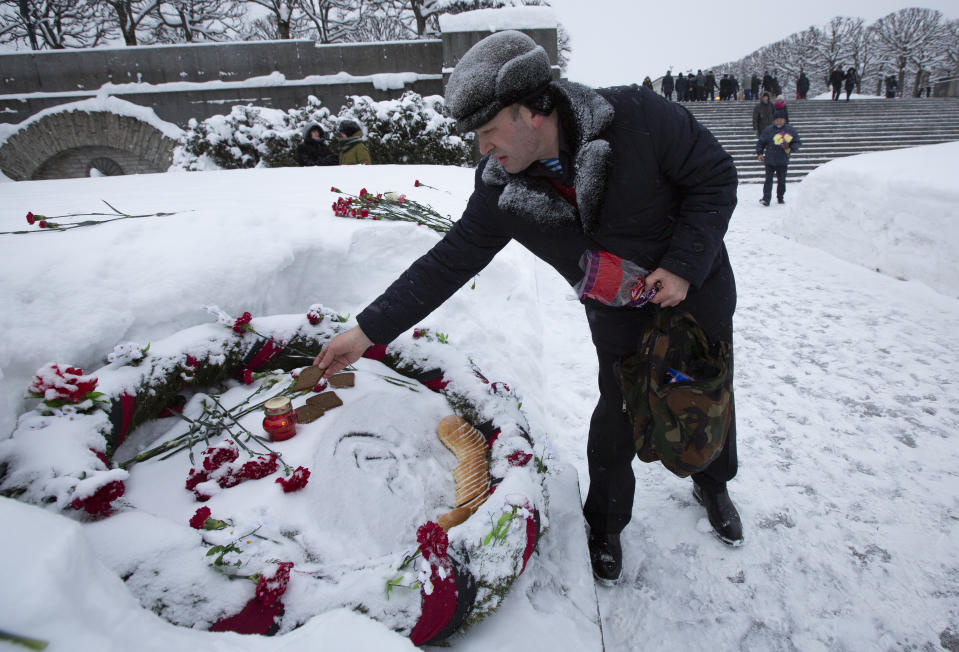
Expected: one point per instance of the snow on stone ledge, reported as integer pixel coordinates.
(494, 20)
(94, 104)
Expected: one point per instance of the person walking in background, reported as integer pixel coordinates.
(802, 85)
(668, 85)
(924, 84)
(851, 79)
(710, 85)
(753, 87)
(681, 88)
(734, 85)
(776, 143)
(352, 149)
(700, 86)
(568, 169)
(762, 114)
(314, 150)
(891, 86)
(648, 83)
(835, 80)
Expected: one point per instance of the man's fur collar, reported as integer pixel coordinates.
(583, 114)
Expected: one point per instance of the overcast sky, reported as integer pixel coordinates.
(622, 41)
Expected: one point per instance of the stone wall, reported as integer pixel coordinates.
(176, 80)
(183, 82)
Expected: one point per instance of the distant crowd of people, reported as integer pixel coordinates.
(314, 149)
(704, 87)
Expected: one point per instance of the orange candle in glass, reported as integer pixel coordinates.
(280, 419)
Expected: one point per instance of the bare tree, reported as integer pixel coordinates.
(832, 44)
(197, 20)
(55, 24)
(903, 33)
(131, 17)
(328, 18)
(279, 21)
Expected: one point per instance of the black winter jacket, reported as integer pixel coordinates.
(775, 152)
(652, 186)
(314, 152)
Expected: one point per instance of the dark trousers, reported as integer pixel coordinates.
(610, 452)
(836, 90)
(780, 172)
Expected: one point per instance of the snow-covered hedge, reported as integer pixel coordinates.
(412, 129)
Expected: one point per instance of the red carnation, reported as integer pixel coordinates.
(199, 519)
(99, 502)
(362, 192)
(334, 189)
(30, 218)
(270, 589)
(433, 540)
(240, 326)
(519, 458)
(228, 480)
(314, 317)
(259, 467)
(194, 478)
(247, 377)
(416, 183)
(296, 481)
(42, 224)
(216, 456)
(420, 332)
(320, 386)
(364, 213)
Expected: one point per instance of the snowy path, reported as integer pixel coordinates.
(847, 413)
(846, 399)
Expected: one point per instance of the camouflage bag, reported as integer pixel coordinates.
(677, 388)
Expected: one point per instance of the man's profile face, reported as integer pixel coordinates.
(779, 122)
(511, 139)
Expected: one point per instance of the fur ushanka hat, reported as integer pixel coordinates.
(502, 69)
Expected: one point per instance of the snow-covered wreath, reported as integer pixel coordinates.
(288, 529)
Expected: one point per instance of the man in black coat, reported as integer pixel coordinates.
(668, 85)
(850, 83)
(802, 85)
(711, 85)
(835, 80)
(753, 87)
(776, 144)
(568, 169)
(681, 88)
(313, 150)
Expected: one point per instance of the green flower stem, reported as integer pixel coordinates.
(250, 435)
(114, 216)
(29, 643)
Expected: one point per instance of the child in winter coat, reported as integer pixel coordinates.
(352, 149)
(775, 145)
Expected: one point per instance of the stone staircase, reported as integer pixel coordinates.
(832, 129)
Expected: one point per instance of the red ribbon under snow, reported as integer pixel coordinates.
(266, 353)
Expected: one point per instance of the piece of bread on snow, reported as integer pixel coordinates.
(472, 470)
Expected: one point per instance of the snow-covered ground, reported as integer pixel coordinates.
(846, 401)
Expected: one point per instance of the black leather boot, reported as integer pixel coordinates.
(722, 514)
(606, 557)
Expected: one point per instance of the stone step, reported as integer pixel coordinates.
(831, 130)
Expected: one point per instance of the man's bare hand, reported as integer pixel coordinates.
(673, 290)
(342, 351)
(762, 158)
